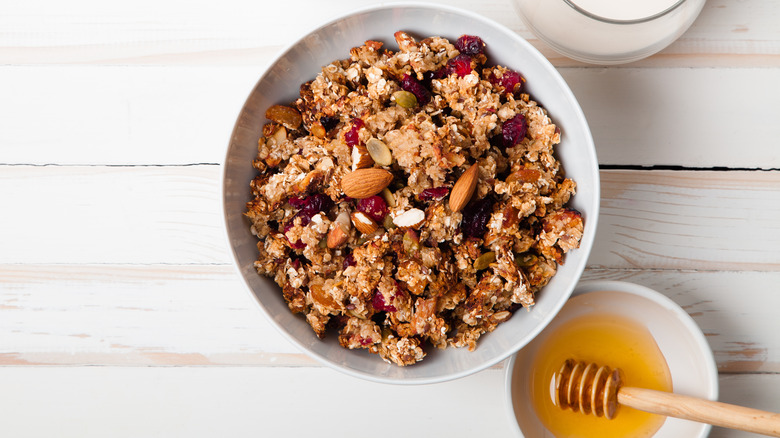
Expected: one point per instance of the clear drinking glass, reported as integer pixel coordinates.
(608, 31)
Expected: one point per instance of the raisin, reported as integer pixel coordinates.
(329, 122)
(476, 216)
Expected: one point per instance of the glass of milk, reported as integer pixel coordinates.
(608, 31)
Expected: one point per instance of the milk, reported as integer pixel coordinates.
(624, 10)
(608, 31)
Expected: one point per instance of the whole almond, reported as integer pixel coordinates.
(365, 183)
(361, 158)
(363, 223)
(464, 188)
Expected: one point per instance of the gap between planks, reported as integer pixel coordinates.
(204, 316)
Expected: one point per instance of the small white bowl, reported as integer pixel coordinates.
(682, 343)
(301, 62)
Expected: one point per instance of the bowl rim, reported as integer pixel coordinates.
(586, 245)
(709, 365)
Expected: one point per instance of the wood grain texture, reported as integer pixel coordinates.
(239, 402)
(233, 32)
(184, 115)
(203, 315)
(120, 312)
(705, 220)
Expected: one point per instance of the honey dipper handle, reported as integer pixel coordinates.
(703, 411)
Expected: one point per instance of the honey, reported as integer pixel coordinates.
(605, 339)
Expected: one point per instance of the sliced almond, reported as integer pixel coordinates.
(361, 158)
(363, 223)
(339, 232)
(411, 218)
(379, 152)
(337, 237)
(310, 181)
(279, 136)
(364, 183)
(464, 188)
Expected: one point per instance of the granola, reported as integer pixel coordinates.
(456, 215)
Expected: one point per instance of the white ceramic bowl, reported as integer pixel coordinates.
(301, 62)
(682, 343)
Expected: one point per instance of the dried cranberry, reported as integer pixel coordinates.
(349, 260)
(375, 207)
(308, 207)
(470, 45)
(411, 85)
(351, 137)
(513, 131)
(460, 65)
(298, 202)
(317, 203)
(379, 303)
(434, 193)
(476, 216)
(511, 81)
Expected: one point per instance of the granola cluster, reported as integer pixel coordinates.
(411, 196)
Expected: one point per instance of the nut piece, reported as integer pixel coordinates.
(364, 183)
(464, 188)
(285, 115)
(410, 218)
(318, 130)
(524, 176)
(361, 158)
(339, 234)
(405, 99)
(363, 223)
(379, 152)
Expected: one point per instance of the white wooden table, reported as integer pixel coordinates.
(120, 313)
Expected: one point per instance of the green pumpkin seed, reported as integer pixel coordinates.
(483, 261)
(405, 99)
(379, 152)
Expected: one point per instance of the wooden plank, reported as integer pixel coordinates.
(172, 215)
(135, 315)
(241, 402)
(688, 220)
(151, 33)
(73, 214)
(734, 309)
(120, 115)
(185, 115)
(89, 402)
(681, 116)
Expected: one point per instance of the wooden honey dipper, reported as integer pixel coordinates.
(591, 389)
